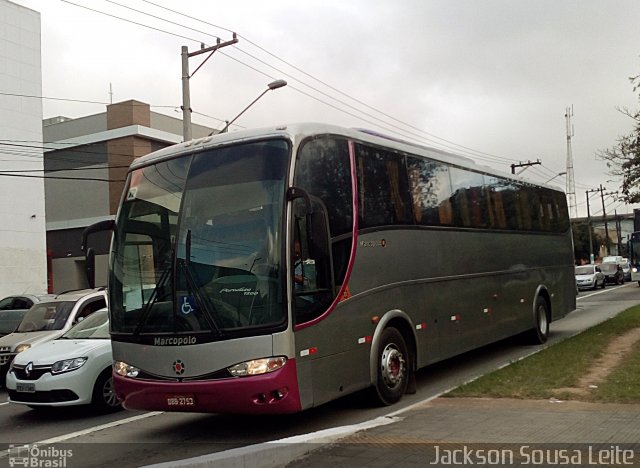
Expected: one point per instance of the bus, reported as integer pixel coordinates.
(634, 256)
(271, 271)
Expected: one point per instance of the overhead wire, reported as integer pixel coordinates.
(457, 147)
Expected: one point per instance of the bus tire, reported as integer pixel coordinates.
(540, 332)
(392, 362)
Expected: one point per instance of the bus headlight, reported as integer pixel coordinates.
(67, 365)
(634, 269)
(22, 347)
(125, 370)
(257, 366)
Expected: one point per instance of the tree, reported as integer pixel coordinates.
(581, 241)
(623, 159)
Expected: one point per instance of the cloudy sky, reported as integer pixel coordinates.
(489, 79)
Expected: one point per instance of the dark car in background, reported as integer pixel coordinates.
(612, 272)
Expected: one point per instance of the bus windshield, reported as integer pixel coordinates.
(197, 246)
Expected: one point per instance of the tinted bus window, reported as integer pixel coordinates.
(383, 197)
(323, 170)
(430, 186)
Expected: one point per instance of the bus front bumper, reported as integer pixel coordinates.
(272, 393)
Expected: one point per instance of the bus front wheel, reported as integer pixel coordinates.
(540, 332)
(392, 367)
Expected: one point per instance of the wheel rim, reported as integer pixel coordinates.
(543, 323)
(109, 394)
(392, 366)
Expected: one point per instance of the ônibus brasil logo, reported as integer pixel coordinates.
(178, 367)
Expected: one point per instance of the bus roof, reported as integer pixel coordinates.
(298, 131)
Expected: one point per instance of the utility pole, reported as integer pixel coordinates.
(525, 165)
(604, 218)
(186, 93)
(571, 186)
(591, 256)
(618, 227)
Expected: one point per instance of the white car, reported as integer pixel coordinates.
(590, 277)
(75, 369)
(48, 320)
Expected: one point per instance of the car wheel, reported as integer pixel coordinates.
(104, 394)
(392, 363)
(540, 332)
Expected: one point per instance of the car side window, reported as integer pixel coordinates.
(89, 308)
(22, 303)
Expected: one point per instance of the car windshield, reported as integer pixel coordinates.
(585, 270)
(197, 246)
(46, 316)
(95, 326)
(608, 267)
(9, 320)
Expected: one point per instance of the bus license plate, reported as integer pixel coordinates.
(181, 401)
(26, 387)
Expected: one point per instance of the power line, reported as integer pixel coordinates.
(475, 153)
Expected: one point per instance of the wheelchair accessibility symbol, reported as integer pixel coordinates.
(187, 304)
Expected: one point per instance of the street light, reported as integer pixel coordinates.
(271, 86)
(557, 175)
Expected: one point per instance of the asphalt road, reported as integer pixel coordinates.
(134, 438)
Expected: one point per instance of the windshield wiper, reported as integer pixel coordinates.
(146, 311)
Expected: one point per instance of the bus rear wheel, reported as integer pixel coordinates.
(540, 332)
(392, 363)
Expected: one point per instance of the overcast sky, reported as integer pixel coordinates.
(489, 79)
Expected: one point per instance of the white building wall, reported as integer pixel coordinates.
(23, 260)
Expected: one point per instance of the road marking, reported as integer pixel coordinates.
(90, 430)
(602, 291)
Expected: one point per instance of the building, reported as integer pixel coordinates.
(23, 259)
(86, 161)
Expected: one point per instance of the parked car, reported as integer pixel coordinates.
(626, 269)
(612, 272)
(590, 277)
(24, 301)
(48, 320)
(13, 308)
(74, 369)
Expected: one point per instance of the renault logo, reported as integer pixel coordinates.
(28, 369)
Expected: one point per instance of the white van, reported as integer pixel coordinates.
(613, 259)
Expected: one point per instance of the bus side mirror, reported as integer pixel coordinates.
(90, 254)
(293, 193)
(90, 267)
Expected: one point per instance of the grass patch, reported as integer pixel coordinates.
(562, 364)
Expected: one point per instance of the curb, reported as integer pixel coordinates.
(276, 453)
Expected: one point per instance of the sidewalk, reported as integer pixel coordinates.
(503, 432)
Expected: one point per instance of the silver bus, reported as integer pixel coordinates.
(274, 270)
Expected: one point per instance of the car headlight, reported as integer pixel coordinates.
(634, 269)
(67, 365)
(257, 366)
(125, 370)
(22, 347)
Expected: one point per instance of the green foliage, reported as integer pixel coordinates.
(623, 159)
(581, 241)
